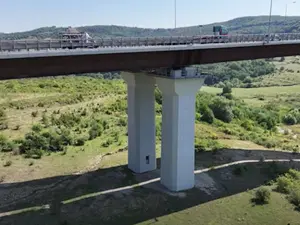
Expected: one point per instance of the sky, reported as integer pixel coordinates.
(22, 15)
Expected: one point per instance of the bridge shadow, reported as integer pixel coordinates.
(113, 196)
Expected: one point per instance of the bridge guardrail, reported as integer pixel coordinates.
(18, 45)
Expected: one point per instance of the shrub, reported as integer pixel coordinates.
(80, 141)
(41, 104)
(67, 119)
(247, 124)
(34, 114)
(294, 174)
(3, 123)
(289, 119)
(262, 195)
(7, 163)
(207, 114)
(2, 114)
(37, 128)
(34, 153)
(6, 145)
(107, 143)
(34, 141)
(95, 131)
(228, 96)
(158, 96)
(45, 120)
(122, 122)
(284, 184)
(294, 195)
(17, 127)
(227, 89)
(222, 110)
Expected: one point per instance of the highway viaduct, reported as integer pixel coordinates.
(179, 86)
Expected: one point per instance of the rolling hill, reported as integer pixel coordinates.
(245, 25)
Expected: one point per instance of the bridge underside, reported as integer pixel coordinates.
(65, 65)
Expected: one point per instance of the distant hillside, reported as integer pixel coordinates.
(245, 25)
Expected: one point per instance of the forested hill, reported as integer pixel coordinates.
(245, 25)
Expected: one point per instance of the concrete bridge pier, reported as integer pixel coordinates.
(178, 131)
(141, 122)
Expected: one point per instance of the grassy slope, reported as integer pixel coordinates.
(233, 210)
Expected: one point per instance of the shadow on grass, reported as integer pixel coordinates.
(117, 196)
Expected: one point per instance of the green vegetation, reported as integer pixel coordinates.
(290, 184)
(262, 195)
(53, 127)
(237, 74)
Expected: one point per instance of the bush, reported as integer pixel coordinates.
(294, 195)
(107, 143)
(7, 163)
(37, 128)
(228, 96)
(284, 184)
(3, 123)
(34, 141)
(247, 124)
(122, 122)
(207, 114)
(227, 89)
(2, 114)
(45, 120)
(6, 145)
(158, 96)
(34, 114)
(222, 110)
(289, 119)
(294, 174)
(67, 119)
(80, 141)
(34, 153)
(95, 131)
(262, 195)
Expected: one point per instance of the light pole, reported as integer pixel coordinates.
(286, 9)
(200, 27)
(271, 6)
(175, 13)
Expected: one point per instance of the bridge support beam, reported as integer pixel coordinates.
(178, 130)
(141, 122)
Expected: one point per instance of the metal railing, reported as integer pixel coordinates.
(18, 45)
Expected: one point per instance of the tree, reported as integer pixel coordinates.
(227, 89)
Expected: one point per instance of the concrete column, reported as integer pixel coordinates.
(178, 130)
(141, 122)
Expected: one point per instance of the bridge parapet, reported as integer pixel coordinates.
(27, 45)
